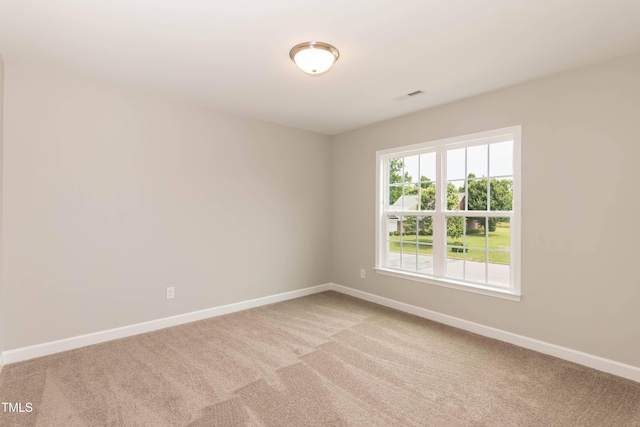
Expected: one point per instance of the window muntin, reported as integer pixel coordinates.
(449, 212)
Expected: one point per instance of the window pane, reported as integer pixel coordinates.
(396, 171)
(455, 230)
(475, 266)
(409, 244)
(393, 252)
(427, 196)
(476, 255)
(477, 195)
(425, 229)
(393, 225)
(410, 199)
(394, 197)
(477, 163)
(502, 258)
(411, 173)
(399, 201)
(499, 268)
(501, 194)
(454, 269)
(425, 250)
(393, 241)
(425, 259)
(409, 229)
(409, 259)
(455, 164)
(501, 159)
(476, 235)
(428, 167)
(455, 196)
(499, 233)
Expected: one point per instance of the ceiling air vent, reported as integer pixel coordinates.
(408, 96)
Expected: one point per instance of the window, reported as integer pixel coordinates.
(448, 212)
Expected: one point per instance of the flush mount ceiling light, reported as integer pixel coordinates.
(314, 58)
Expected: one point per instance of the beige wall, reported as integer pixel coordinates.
(110, 197)
(580, 153)
(1, 176)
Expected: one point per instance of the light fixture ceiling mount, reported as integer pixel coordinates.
(314, 58)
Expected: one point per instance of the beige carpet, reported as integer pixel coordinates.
(324, 360)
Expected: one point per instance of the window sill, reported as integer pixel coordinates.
(452, 284)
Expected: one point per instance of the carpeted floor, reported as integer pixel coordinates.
(323, 360)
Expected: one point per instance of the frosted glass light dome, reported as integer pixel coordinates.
(314, 58)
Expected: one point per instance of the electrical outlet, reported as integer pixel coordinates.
(362, 273)
(171, 292)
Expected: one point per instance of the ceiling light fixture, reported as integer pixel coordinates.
(314, 58)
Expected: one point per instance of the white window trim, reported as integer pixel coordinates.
(514, 133)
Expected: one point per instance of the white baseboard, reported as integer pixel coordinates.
(45, 349)
(575, 356)
(589, 360)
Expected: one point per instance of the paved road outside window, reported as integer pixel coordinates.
(456, 268)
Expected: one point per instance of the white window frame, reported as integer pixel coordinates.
(513, 292)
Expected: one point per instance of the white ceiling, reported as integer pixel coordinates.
(234, 55)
